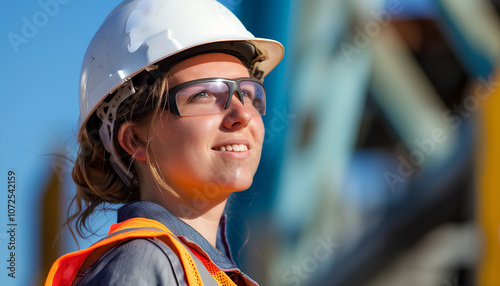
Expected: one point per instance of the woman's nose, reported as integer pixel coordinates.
(237, 115)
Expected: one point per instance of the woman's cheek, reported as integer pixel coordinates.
(261, 132)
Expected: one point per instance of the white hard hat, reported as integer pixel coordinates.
(138, 34)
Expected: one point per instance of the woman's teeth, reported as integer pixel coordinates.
(234, 148)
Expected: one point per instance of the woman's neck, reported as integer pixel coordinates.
(206, 223)
(202, 215)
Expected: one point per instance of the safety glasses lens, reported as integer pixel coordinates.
(202, 98)
(212, 96)
(254, 97)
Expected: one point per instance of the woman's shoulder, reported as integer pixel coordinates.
(139, 261)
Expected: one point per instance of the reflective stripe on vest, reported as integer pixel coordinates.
(65, 269)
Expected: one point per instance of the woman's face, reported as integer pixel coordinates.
(187, 149)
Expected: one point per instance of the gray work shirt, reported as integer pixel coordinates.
(148, 261)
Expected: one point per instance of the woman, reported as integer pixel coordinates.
(171, 102)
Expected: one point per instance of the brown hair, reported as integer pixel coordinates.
(97, 183)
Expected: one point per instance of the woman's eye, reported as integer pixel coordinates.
(246, 93)
(202, 94)
(199, 95)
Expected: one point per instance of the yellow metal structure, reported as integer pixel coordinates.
(489, 195)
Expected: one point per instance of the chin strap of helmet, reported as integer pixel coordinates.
(107, 113)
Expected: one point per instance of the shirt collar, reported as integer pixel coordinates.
(220, 256)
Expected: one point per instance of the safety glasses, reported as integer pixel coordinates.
(213, 95)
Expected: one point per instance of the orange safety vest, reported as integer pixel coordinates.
(65, 269)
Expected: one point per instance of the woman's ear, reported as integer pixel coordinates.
(131, 141)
